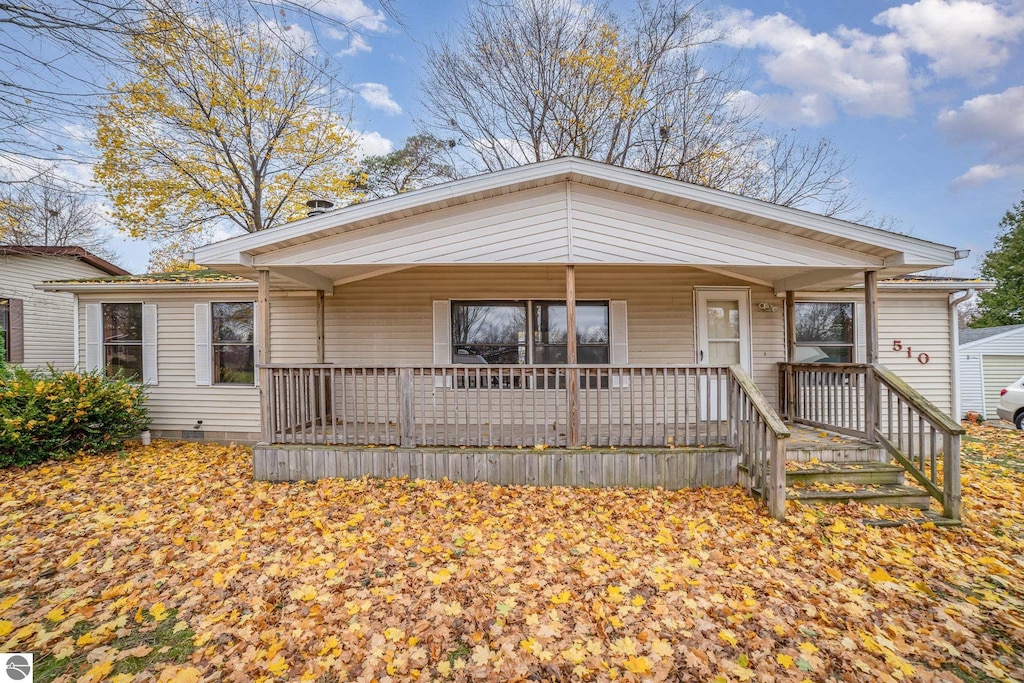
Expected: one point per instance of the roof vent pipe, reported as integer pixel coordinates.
(318, 206)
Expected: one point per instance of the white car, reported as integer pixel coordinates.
(1011, 403)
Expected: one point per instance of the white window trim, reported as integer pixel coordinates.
(255, 342)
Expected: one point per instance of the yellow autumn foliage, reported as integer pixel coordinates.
(417, 581)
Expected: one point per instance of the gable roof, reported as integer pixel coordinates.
(572, 210)
(181, 279)
(77, 253)
(974, 335)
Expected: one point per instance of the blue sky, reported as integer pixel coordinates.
(927, 97)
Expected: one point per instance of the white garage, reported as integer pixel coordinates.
(990, 358)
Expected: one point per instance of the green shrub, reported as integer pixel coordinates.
(49, 414)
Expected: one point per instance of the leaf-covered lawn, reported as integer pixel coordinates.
(171, 564)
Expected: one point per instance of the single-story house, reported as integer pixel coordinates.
(990, 359)
(39, 327)
(435, 323)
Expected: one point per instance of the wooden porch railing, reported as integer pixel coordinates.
(495, 405)
(872, 403)
(759, 436)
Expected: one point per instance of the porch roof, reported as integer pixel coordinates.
(572, 210)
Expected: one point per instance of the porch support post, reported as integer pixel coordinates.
(320, 326)
(572, 379)
(951, 477)
(871, 315)
(263, 349)
(790, 395)
(871, 407)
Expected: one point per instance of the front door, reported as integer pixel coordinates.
(723, 338)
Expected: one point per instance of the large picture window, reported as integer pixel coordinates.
(232, 341)
(122, 340)
(5, 326)
(824, 332)
(517, 333)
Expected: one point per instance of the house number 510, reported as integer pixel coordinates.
(922, 357)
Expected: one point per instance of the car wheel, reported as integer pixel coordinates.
(1019, 420)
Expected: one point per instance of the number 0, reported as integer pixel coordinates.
(923, 358)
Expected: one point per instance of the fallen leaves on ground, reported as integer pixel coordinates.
(170, 564)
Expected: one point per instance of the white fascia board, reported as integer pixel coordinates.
(112, 287)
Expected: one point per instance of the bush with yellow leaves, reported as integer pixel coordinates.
(54, 415)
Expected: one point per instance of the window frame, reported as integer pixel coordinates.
(530, 342)
(104, 344)
(214, 374)
(851, 345)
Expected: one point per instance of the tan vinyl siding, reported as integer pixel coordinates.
(49, 316)
(1000, 372)
(388, 320)
(920, 321)
(177, 403)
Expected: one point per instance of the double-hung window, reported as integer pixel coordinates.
(824, 332)
(232, 342)
(122, 340)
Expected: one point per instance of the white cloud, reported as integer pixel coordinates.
(378, 96)
(353, 13)
(983, 173)
(861, 74)
(356, 45)
(959, 37)
(995, 122)
(372, 144)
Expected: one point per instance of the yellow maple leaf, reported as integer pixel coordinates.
(56, 614)
(158, 611)
(785, 660)
(880, 575)
(5, 627)
(638, 665)
(277, 665)
(304, 593)
(662, 648)
(839, 527)
(188, 674)
(728, 636)
(807, 648)
(97, 672)
(8, 602)
(562, 598)
(121, 678)
(394, 634)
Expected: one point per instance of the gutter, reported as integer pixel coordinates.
(110, 287)
(954, 340)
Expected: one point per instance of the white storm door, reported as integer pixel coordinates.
(723, 338)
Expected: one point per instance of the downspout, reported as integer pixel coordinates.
(954, 338)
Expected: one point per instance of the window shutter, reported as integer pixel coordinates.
(202, 342)
(442, 333)
(149, 334)
(16, 334)
(93, 337)
(860, 351)
(619, 333)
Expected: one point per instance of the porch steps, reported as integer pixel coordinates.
(926, 517)
(893, 495)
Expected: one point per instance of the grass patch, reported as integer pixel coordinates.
(168, 643)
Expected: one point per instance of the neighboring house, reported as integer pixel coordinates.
(990, 359)
(438, 317)
(39, 327)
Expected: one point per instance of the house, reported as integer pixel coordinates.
(990, 358)
(39, 327)
(425, 335)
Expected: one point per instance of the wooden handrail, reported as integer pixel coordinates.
(760, 402)
(759, 436)
(912, 396)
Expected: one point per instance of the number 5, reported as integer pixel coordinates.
(897, 345)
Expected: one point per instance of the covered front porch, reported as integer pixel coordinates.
(363, 340)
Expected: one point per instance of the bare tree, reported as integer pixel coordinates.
(527, 80)
(52, 212)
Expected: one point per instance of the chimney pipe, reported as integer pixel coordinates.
(318, 206)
